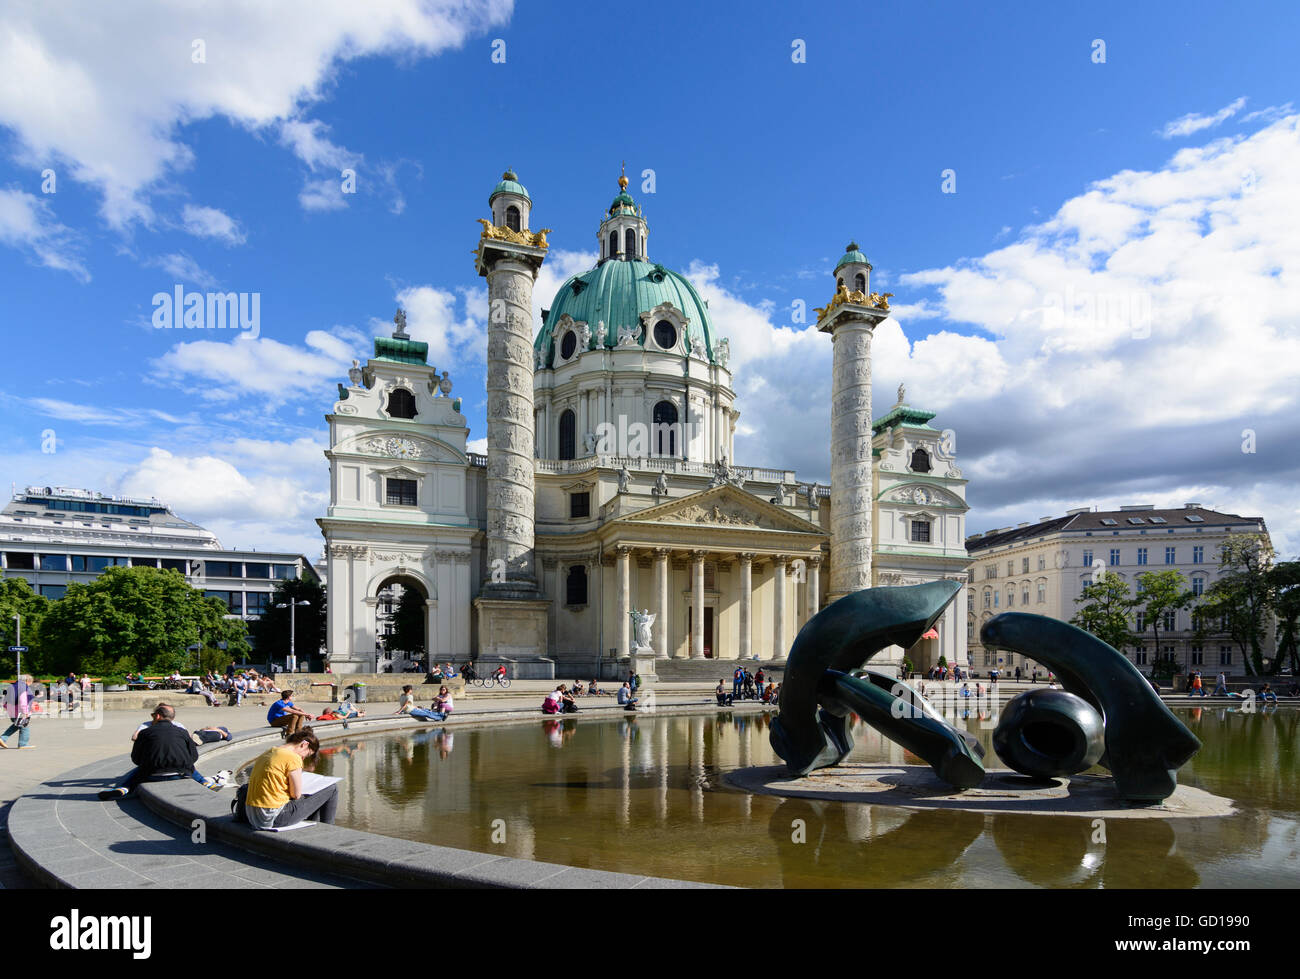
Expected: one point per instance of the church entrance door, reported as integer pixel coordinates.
(708, 630)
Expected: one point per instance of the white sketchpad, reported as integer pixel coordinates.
(285, 829)
(312, 783)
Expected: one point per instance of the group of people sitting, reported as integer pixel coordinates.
(439, 710)
(233, 687)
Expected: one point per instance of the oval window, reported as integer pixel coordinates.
(665, 334)
(568, 345)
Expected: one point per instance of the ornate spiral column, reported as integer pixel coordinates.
(851, 318)
(510, 262)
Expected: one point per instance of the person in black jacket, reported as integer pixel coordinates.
(163, 750)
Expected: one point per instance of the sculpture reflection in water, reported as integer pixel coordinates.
(1107, 714)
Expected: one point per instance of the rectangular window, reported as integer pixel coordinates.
(1011, 598)
(1042, 562)
(1142, 555)
(1140, 656)
(1169, 622)
(920, 531)
(987, 599)
(20, 562)
(257, 571)
(54, 562)
(1225, 655)
(1011, 568)
(1198, 656)
(1087, 559)
(1114, 557)
(54, 592)
(1042, 594)
(991, 571)
(1140, 623)
(996, 598)
(257, 602)
(1169, 555)
(1198, 586)
(176, 564)
(401, 492)
(575, 585)
(1024, 597)
(78, 562)
(234, 600)
(223, 569)
(144, 562)
(286, 572)
(1024, 565)
(1198, 554)
(579, 505)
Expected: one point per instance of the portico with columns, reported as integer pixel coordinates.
(727, 574)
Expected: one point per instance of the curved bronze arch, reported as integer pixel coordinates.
(1145, 743)
(842, 637)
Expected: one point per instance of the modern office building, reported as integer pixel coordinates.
(54, 536)
(1043, 568)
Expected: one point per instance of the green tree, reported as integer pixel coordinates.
(408, 623)
(17, 598)
(270, 634)
(1243, 594)
(128, 619)
(1285, 579)
(1107, 604)
(1161, 593)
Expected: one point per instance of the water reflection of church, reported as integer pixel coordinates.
(609, 483)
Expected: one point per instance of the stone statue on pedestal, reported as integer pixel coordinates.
(641, 623)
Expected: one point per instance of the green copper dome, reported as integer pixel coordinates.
(623, 200)
(617, 293)
(851, 254)
(509, 185)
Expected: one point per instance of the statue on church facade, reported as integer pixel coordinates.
(641, 623)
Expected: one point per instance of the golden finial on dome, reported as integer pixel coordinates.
(622, 177)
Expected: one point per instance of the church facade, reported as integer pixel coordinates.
(609, 485)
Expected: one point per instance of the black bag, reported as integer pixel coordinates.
(237, 804)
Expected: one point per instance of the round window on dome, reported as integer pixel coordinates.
(665, 334)
(568, 345)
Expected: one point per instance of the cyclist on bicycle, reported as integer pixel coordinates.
(500, 672)
(468, 673)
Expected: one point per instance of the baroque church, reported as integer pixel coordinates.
(610, 484)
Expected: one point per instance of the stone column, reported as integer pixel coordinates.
(697, 621)
(510, 269)
(778, 607)
(623, 573)
(746, 597)
(661, 595)
(851, 327)
(814, 585)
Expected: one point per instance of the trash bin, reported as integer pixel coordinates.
(359, 692)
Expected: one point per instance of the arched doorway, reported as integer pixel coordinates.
(401, 625)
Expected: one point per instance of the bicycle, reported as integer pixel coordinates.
(494, 679)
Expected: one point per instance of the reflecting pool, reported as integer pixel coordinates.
(644, 794)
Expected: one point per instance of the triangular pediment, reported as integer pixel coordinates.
(725, 507)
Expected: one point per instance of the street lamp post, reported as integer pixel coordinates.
(291, 665)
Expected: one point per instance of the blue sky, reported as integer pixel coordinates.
(1101, 311)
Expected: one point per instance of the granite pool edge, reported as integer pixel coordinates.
(366, 857)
